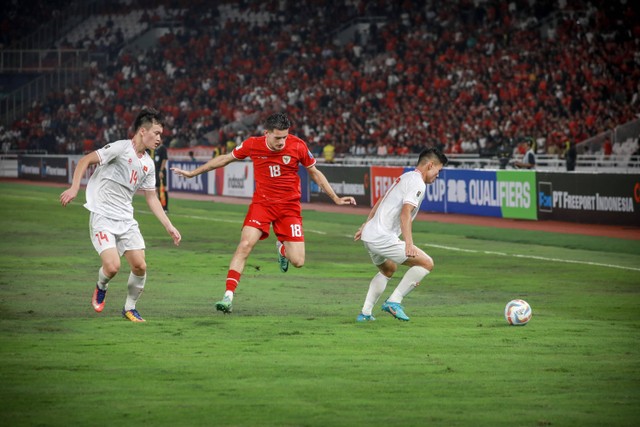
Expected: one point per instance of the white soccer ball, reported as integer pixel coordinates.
(517, 312)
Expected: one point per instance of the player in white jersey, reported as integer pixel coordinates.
(392, 216)
(124, 167)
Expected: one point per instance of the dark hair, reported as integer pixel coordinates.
(147, 117)
(432, 154)
(278, 121)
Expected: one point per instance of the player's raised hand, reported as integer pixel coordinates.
(67, 196)
(346, 201)
(182, 172)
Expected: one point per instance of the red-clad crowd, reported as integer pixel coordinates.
(463, 76)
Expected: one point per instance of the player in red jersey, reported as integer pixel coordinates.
(276, 200)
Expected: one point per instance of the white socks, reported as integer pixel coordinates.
(408, 283)
(135, 286)
(376, 288)
(103, 281)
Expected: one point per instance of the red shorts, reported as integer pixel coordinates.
(286, 218)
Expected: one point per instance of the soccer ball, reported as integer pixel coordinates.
(517, 312)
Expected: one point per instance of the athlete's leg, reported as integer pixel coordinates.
(419, 267)
(388, 268)
(287, 226)
(137, 277)
(377, 285)
(248, 239)
(396, 253)
(422, 260)
(137, 262)
(105, 243)
(108, 270)
(110, 263)
(295, 252)
(255, 227)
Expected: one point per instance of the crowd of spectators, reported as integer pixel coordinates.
(21, 17)
(466, 76)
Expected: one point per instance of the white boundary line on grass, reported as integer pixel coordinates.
(230, 221)
(450, 248)
(541, 258)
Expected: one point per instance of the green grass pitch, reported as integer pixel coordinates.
(292, 354)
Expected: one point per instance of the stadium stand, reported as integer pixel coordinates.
(378, 79)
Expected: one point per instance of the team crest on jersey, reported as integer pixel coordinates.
(130, 160)
(286, 159)
(144, 168)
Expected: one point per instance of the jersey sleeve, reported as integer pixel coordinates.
(306, 157)
(149, 183)
(243, 150)
(110, 151)
(413, 189)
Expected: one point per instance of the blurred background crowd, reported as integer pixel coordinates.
(369, 77)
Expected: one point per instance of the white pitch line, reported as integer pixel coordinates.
(541, 258)
(449, 248)
(203, 218)
(18, 196)
(229, 221)
(314, 231)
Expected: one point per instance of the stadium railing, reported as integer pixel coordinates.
(546, 162)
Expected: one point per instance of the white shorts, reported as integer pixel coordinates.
(380, 252)
(112, 233)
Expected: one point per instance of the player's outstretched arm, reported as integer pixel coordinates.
(319, 178)
(69, 194)
(215, 163)
(158, 211)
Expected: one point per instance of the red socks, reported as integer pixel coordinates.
(233, 278)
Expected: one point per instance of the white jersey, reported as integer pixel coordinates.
(120, 174)
(384, 227)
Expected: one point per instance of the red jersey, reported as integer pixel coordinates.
(275, 172)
